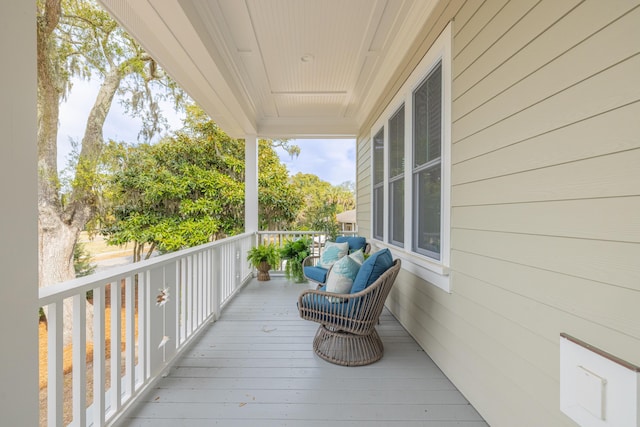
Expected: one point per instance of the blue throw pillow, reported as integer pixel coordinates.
(355, 242)
(371, 269)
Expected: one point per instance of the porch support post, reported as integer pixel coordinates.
(251, 184)
(18, 215)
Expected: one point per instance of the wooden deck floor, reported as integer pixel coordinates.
(256, 367)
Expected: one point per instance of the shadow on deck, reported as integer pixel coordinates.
(256, 367)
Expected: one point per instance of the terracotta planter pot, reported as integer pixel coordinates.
(263, 271)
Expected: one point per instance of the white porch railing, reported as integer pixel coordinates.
(199, 282)
(144, 337)
(317, 237)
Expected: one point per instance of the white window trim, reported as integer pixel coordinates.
(431, 270)
(385, 197)
(387, 181)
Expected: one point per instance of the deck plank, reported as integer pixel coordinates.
(256, 364)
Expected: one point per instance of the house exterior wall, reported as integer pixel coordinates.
(18, 217)
(363, 185)
(545, 199)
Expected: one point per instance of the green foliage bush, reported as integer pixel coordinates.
(188, 189)
(295, 251)
(322, 201)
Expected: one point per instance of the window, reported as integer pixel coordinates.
(427, 157)
(378, 185)
(411, 161)
(396, 178)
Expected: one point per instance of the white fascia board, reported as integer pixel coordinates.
(306, 128)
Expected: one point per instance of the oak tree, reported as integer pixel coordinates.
(77, 39)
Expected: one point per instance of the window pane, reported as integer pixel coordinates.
(427, 112)
(378, 157)
(427, 212)
(396, 221)
(378, 212)
(378, 186)
(396, 144)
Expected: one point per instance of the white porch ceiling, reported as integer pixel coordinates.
(278, 68)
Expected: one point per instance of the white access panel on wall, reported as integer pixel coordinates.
(597, 389)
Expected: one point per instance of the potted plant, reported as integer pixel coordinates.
(263, 257)
(295, 251)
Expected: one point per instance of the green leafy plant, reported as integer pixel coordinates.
(295, 251)
(188, 189)
(325, 220)
(82, 261)
(263, 258)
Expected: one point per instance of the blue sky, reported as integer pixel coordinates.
(333, 160)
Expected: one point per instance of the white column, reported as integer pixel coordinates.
(251, 183)
(18, 215)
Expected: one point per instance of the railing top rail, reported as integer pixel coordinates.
(50, 294)
(341, 233)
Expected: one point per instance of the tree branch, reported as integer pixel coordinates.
(150, 251)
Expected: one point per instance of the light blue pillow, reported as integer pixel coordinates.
(357, 256)
(341, 277)
(333, 252)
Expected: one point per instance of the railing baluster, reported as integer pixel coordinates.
(191, 291)
(194, 290)
(229, 270)
(223, 275)
(115, 400)
(178, 305)
(193, 280)
(198, 279)
(216, 281)
(224, 266)
(79, 360)
(207, 283)
(143, 325)
(55, 380)
(184, 316)
(98, 357)
(130, 332)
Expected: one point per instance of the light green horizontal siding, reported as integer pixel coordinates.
(363, 185)
(545, 199)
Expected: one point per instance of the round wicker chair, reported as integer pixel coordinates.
(347, 335)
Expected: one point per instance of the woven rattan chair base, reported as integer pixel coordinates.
(343, 348)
